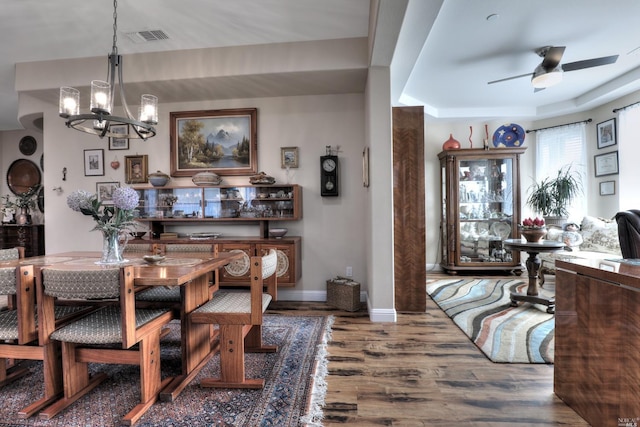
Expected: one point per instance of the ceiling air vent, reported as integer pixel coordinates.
(147, 36)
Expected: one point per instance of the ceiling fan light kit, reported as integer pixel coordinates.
(100, 119)
(543, 78)
(549, 72)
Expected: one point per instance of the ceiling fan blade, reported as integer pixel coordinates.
(510, 78)
(552, 57)
(588, 63)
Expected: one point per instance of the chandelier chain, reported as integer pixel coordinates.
(115, 27)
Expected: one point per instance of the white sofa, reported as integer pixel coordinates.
(599, 240)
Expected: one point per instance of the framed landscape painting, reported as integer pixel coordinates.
(219, 141)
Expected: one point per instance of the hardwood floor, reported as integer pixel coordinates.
(423, 371)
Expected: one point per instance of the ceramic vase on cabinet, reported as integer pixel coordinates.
(451, 143)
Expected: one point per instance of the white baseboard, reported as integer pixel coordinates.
(375, 315)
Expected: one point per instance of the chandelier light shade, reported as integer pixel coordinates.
(100, 118)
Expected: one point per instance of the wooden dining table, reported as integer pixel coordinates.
(189, 270)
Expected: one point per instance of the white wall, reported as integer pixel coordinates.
(332, 229)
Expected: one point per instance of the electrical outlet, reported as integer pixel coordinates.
(349, 271)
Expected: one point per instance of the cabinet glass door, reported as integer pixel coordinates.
(486, 209)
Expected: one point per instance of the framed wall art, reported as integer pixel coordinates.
(606, 164)
(365, 167)
(104, 190)
(607, 133)
(607, 188)
(119, 143)
(136, 169)
(220, 141)
(288, 157)
(94, 162)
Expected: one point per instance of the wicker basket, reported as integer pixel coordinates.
(344, 294)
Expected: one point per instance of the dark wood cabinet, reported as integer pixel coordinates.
(597, 334)
(480, 196)
(31, 237)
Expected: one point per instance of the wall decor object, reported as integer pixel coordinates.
(22, 175)
(28, 145)
(221, 141)
(104, 190)
(511, 135)
(94, 162)
(288, 157)
(607, 188)
(607, 133)
(365, 167)
(606, 164)
(136, 169)
(329, 176)
(116, 143)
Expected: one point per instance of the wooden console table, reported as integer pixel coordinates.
(31, 237)
(597, 336)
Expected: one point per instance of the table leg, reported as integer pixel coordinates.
(532, 296)
(196, 342)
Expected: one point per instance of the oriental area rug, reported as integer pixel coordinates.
(292, 396)
(481, 309)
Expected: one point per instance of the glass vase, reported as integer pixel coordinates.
(113, 247)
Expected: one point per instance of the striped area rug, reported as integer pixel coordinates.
(481, 309)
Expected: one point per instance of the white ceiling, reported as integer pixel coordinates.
(446, 52)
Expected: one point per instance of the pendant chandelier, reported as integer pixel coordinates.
(100, 120)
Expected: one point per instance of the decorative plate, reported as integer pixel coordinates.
(283, 263)
(22, 175)
(204, 236)
(501, 229)
(238, 267)
(511, 135)
(28, 145)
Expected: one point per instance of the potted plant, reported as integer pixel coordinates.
(552, 196)
(21, 204)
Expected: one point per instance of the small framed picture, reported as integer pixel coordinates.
(94, 162)
(607, 133)
(136, 169)
(104, 190)
(607, 188)
(288, 157)
(606, 164)
(119, 143)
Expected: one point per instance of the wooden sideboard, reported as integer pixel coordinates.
(31, 237)
(597, 337)
(288, 248)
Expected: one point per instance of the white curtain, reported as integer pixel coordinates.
(629, 129)
(560, 147)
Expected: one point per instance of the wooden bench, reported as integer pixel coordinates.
(239, 316)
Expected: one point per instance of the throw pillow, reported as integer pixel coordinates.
(600, 235)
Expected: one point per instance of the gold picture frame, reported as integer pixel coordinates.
(136, 169)
(219, 141)
(288, 157)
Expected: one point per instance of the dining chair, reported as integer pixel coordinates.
(239, 316)
(162, 295)
(19, 333)
(116, 333)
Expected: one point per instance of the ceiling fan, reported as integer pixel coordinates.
(549, 71)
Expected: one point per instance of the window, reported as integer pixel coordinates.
(560, 147)
(627, 188)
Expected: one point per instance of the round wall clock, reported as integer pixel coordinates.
(28, 145)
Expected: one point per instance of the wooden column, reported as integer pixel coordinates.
(408, 209)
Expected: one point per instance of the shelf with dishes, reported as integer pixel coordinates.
(160, 206)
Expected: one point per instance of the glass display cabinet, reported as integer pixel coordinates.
(161, 206)
(480, 196)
